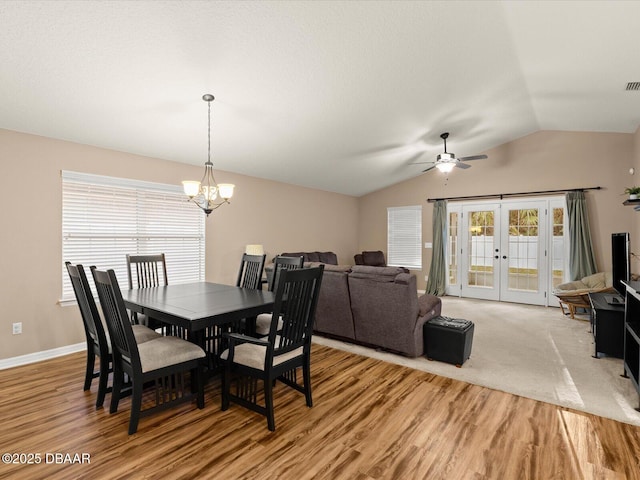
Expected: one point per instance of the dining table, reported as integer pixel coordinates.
(199, 310)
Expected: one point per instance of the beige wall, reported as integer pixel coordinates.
(31, 243)
(540, 161)
(279, 216)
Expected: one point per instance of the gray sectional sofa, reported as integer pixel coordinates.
(374, 306)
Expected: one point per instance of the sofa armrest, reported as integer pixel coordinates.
(403, 278)
(428, 303)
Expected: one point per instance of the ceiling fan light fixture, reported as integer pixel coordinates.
(445, 167)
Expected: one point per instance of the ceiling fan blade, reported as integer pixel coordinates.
(462, 165)
(416, 156)
(430, 168)
(472, 157)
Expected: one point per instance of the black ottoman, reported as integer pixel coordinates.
(448, 340)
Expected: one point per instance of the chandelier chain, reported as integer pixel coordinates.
(209, 134)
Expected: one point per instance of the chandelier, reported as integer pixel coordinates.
(205, 193)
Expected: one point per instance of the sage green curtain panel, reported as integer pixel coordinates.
(582, 261)
(437, 283)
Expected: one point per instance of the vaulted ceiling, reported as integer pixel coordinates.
(336, 95)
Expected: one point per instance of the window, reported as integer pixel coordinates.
(404, 237)
(106, 218)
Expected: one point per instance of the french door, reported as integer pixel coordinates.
(480, 251)
(507, 250)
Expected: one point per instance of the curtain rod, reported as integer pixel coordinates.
(521, 194)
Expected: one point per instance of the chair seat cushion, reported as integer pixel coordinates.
(263, 324)
(144, 334)
(165, 351)
(140, 332)
(597, 281)
(253, 356)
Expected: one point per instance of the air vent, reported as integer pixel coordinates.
(633, 86)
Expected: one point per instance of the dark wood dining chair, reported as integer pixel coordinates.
(249, 276)
(163, 361)
(98, 341)
(277, 357)
(146, 271)
(263, 321)
(250, 272)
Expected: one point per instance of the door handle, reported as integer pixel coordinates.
(504, 256)
(497, 256)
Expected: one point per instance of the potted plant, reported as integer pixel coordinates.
(633, 192)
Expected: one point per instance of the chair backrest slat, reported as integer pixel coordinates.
(151, 270)
(296, 300)
(250, 273)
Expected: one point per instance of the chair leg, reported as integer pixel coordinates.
(306, 377)
(226, 388)
(268, 401)
(88, 375)
(118, 380)
(200, 381)
(136, 405)
(102, 381)
(562, 308)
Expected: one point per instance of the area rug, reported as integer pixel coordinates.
(531, 351)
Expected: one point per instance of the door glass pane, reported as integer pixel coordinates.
(453, 248)
(523, 250)
(481, 249)
(557, 251)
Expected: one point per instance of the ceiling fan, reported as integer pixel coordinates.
(446, 161)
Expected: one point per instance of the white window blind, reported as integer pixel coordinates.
(106, 218)
(404, 237)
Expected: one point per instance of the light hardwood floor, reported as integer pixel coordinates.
(370, 420)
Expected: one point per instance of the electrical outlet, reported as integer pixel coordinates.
(426, 278)
(17, 328)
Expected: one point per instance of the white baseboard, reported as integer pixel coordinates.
(39, 356)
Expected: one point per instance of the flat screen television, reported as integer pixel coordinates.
(620, 260)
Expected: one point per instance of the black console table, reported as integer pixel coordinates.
(632, 335)
(607, 323)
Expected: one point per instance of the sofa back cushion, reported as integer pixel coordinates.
(295, 254)
(322, 257)
(377, 274)
(328, 258)
(374, 258)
